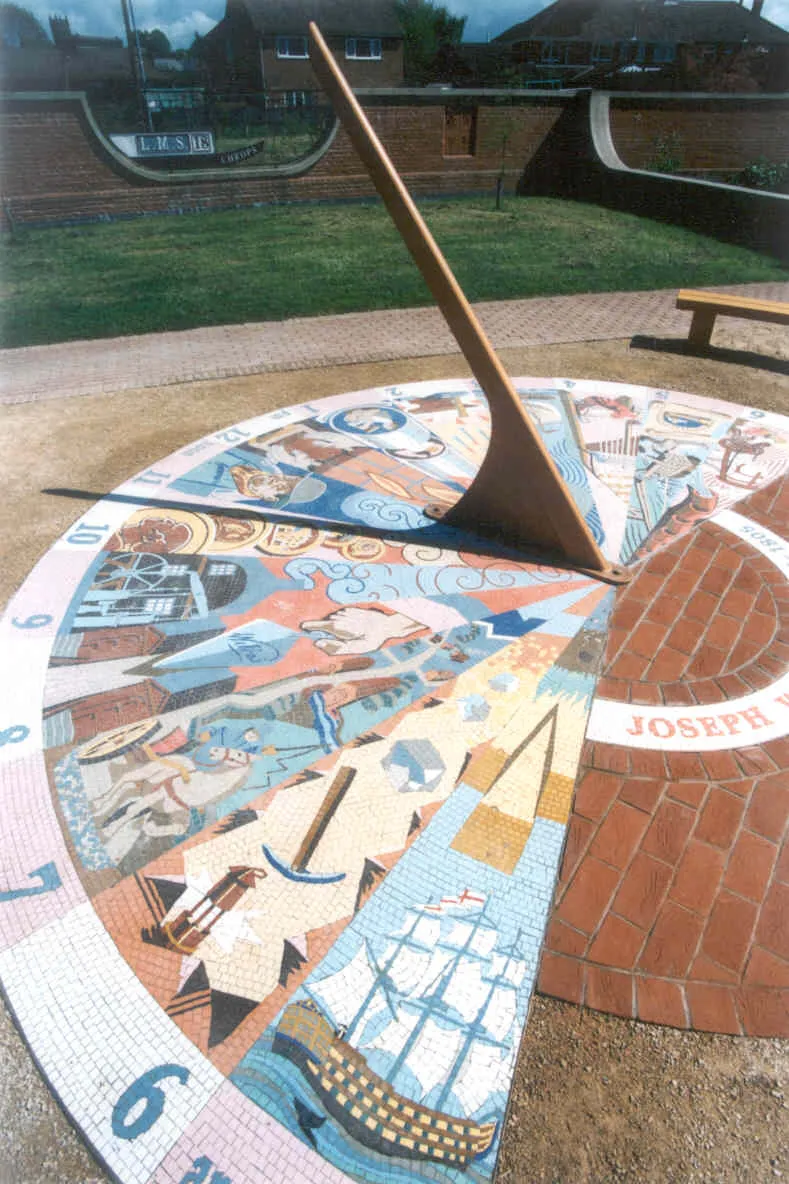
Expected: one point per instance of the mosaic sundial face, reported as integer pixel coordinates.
(279, 849)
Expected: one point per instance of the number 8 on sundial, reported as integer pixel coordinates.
(14, 735)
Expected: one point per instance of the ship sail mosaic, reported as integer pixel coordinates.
(427, 1015)
(299, 791)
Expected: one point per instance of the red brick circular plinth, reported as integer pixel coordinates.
(673, 900)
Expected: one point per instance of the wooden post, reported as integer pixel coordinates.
(329, 806)
(518, 495)
(701, 327)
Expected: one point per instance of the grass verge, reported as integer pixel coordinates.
(155, 274)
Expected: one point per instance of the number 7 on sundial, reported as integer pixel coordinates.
(537, 513)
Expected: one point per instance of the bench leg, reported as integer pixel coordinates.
(701, 327)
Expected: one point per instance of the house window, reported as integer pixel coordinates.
(366, 48)
(551, 51)
(460, 131)
(663, 53)
(296, 98)
(603, 52)
(292, 47)
(177, 99)
(577, 53)
(631, 51)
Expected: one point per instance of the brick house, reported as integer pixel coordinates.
(262, 45)
(692, 44)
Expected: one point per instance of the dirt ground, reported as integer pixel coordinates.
(595, 1098)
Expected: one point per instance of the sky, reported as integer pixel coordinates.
(181, 19)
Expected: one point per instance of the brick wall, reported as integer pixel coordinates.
(55, 168)
(297, 74)
(717, 134)
(46, 149)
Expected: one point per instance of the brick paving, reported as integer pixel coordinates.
(673, 900)
(225, 351)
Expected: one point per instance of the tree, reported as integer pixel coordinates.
(742, 72)
(429, 34)
(197, 48)
(18, 27)
(155, 42)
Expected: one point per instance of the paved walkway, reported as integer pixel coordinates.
(159, 359)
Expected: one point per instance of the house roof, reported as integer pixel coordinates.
(668, 21)
(362, 18)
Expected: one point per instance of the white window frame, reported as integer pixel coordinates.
(294, 98)
(286, 47)
(162, 606)
(352, 49)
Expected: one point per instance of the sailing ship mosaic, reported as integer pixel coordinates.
(279, 849)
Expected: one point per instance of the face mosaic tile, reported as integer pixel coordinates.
(286, 769)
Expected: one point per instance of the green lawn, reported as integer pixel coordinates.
(152, 274)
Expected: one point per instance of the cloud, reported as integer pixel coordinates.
(777, 11)
(180, 20)
(181, 32)
(487, 21)
(484, 22)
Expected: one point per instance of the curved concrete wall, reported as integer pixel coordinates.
(580, 161)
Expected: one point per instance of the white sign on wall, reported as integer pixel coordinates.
(165, 144)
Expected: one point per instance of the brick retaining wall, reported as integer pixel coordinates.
(718, 134)
(58, 168)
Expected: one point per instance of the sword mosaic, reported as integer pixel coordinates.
(286, 770)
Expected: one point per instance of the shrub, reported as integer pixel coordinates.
(666, 154)
(765, 174)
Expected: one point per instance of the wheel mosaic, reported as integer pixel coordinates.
(287, 769)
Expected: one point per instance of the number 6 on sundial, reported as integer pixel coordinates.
(536, 512)
(141, 1105)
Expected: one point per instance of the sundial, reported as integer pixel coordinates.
(290, 731)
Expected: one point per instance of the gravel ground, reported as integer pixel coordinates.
(602, 1099)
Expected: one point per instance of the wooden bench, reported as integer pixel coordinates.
(706, 306)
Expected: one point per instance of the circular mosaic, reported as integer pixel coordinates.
(287, 767)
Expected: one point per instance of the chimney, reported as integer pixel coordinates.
(758, 5)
